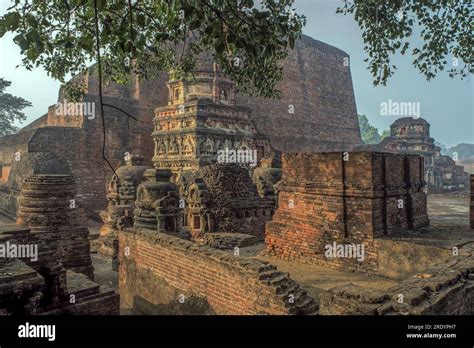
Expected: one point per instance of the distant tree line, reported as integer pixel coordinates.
(10, 109)
(369, 133)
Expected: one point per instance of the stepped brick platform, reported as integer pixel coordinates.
(24, 291)
(48, 207)
(44, 281)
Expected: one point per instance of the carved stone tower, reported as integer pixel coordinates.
(201, 118)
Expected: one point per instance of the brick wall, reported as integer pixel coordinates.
(81, 148)
(317, 82)
(318, 85)
(347, 198)
(161, 267)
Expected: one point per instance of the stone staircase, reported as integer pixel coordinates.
(296, 299)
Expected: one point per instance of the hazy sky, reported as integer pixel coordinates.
(447, 104)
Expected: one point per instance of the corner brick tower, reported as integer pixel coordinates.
(201, 118)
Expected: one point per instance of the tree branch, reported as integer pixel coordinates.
(99, 72)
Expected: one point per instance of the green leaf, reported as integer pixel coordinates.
(101, 4)
(141, 19)
(21, 41)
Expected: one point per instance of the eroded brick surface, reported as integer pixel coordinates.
(344, 198)
(231, 285)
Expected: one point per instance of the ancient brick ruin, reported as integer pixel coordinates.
(223, 198)
(58, 280)
(200, 124)
(157, 206)
(315, 84)
(368, 201)
(201, 118)
(121, 196)
(47, 207)
(471, 205)
(198, 233)
(161, 268)
(346, 198)
(412, 136)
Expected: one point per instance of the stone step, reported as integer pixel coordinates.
(103, 291)
(278, 279)
(267, 275)
(80, 286)
(286, 290)
(16, 271)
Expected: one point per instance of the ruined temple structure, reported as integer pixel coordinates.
(353, 199)
(317, 104)
(349, 198)
(157, 206)
(471, 203)
(58, 280)
(223, 198)
(200, 119)
(178, 231)
(412, 136)
(121, 196)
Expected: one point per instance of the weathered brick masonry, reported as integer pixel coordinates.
(317, 83)
(81, 149)
(45, 207)
(445, 289)
(345, 198)
(230, 284)
(317, 104)
(48, 283)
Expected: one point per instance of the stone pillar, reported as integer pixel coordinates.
(47, 206)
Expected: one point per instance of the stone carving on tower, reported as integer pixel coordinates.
(201, 119)
(121, 195)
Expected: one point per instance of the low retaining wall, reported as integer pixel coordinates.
(445, 289)
(331, 200)
(165, 271)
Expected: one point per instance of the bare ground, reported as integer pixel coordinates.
(449, 219)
